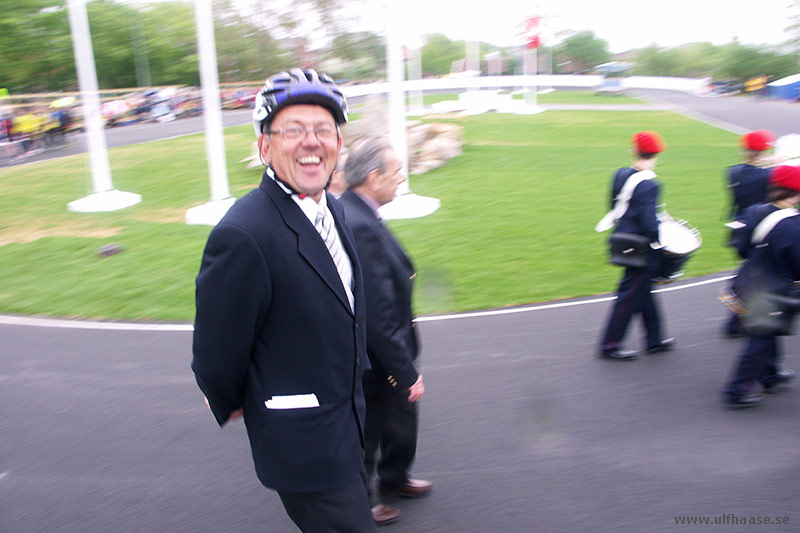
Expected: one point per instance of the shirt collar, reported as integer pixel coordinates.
(306, 203)
(370, 202)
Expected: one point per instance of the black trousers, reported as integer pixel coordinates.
(634, 297)
(390, 431)
(758, 362)
(344, 510)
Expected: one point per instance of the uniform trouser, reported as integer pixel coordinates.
(343, 510)
(758, 361)
(634, 297)
(390, 432)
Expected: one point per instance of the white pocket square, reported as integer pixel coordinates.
(293, 401)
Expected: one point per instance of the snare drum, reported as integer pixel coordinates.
(679, 241)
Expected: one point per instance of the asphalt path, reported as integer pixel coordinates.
(522, 429)
(135, 134)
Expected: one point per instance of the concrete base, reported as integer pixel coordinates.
(479, 102)
(409, 205)
(104, 201)
(209, 214)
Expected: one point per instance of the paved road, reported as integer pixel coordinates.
(522, 430)
(738, 113)
(135, 134)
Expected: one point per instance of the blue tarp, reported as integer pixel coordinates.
(787, 88)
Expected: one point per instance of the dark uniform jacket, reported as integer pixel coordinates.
(774, 264)
(748, 185)
(392, 343)
(640, 218)
(273, 320)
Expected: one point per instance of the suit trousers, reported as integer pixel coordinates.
(634, 297)
(757, 362)
(344, 510)
(390, 431)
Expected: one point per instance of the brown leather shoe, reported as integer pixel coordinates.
(383, 514)
(414, 488)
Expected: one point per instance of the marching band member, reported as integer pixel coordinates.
(771, 268)
(748, 185)
(633, 208)
(748, 181)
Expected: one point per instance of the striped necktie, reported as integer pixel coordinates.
(325, 227)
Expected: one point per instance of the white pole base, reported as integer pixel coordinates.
(409, 205)
(209, 214)
(104, 201)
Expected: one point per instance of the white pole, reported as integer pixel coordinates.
(394, 75)
(212, 115)
(415, 73)
(407, 204)
(221, 199)
(104, 198)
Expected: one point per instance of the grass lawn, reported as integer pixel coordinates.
(516, 222)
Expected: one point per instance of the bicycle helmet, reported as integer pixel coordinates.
(298, 86)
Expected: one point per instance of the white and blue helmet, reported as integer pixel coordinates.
(298, 86)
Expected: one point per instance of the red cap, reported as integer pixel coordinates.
(786, 176)
(758, 140)
(648, 142)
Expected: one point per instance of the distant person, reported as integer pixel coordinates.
(747, 183)
(772, 269)
(338, 184)
(280, 334)
(634, 197)
(394, 385)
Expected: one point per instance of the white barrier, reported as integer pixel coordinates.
(541, 80)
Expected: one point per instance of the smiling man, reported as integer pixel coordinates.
(279, 332)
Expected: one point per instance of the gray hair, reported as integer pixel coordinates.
(365, 156)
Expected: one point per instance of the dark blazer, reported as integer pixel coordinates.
(273, 320)
(640, 218)
(392, 343)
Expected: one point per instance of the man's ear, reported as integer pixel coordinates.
(372, 177)
(264, 148)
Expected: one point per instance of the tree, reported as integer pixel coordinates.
(439, 52)
(655, 61)
(360, 55)
(35, 46)
(583, 51)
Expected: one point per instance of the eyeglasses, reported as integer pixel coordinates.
(294, 133)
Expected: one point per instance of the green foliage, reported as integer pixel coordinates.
(583, 51)
(730, 61)
(515, 225)
(438, 54)
(743, 62)
(360, 55)
(35, 46)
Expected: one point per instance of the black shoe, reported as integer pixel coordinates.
(663, 346)
(619, 355)
(742, 402)
(781, 377)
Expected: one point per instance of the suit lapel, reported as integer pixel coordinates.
(309, 243)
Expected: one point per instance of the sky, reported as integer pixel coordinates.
(625, 24)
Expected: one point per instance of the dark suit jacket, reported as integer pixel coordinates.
(273, 320)
(392, 343)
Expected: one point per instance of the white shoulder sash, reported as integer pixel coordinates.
(770, 221)
(623, 200)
